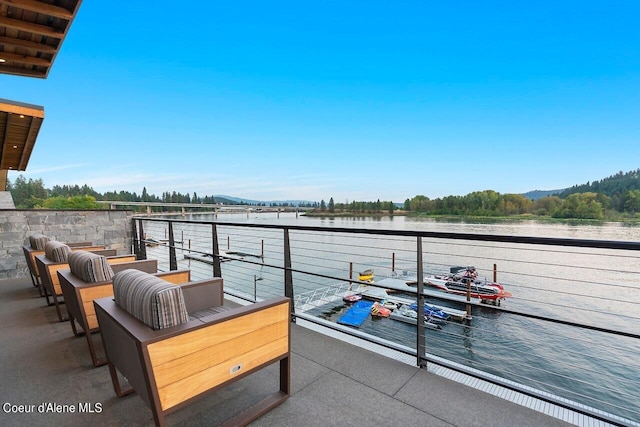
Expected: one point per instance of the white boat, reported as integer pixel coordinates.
(408, 315)
(465, 279)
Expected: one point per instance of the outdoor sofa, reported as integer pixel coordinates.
(36, 247)
(175, 344)
(88, 278)
(55, 258)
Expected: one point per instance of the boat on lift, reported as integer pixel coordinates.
(465, 279)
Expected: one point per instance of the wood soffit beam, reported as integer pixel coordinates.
(31, 27)
(5, 137)
(7, 69)
(42, 62)
(40, 7)
(32, 134)
(26, 44)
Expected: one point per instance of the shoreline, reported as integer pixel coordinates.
(464, 218)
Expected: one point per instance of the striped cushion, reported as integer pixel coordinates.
(37, 241)
(153, 301)
(57, 251)
(90, 267)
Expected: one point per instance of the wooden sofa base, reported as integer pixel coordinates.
(262, 407)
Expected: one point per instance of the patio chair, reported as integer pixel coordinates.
(175, 344)
(55, 258)
(81, 289)
(36, 246)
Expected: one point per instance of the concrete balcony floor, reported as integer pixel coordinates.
(333, 383)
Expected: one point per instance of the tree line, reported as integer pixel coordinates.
(615, 197)
(356, 207)
(32, 194)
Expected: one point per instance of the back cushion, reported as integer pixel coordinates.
(57, 251)
(153, 301)
(90, 267)
(38, 241)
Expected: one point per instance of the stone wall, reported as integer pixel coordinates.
(111, 228)
(6, 201)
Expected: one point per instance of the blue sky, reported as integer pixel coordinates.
(351, 100)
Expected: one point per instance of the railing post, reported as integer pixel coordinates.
(288, 274)
(217, 270)
(135, 243)
(143, 245)
(255, 287)
(173, 262)
(421, 346)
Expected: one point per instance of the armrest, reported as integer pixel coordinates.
(243, 310)
(146, 265)
(203, 294)
(135, 328)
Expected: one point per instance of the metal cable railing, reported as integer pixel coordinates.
(570, 328)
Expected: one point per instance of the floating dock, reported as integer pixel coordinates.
(357, 314)
(208, 258)
(398, 285)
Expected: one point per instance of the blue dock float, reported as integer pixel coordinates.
(356, 314)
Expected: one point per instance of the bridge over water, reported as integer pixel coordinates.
(213, 208)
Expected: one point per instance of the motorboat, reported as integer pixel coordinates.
(350, 297)
(432, 312)
(380, 310)
(465, 279)
(366, 275)
(407, 315)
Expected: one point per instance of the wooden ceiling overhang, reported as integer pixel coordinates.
(31, 35)
(19, 127)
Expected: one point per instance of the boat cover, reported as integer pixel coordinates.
(357, 314)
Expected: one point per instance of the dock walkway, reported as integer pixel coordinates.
(334, 383)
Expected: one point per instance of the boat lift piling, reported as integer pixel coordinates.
(468, 299)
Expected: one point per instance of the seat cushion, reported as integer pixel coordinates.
(153, 301)
(90, 267)
(38, 241)
(57, 251)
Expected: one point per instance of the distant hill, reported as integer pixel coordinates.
(231, 200)
(613, 186)
(538, 194)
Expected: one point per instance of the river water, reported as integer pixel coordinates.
(594, 287)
